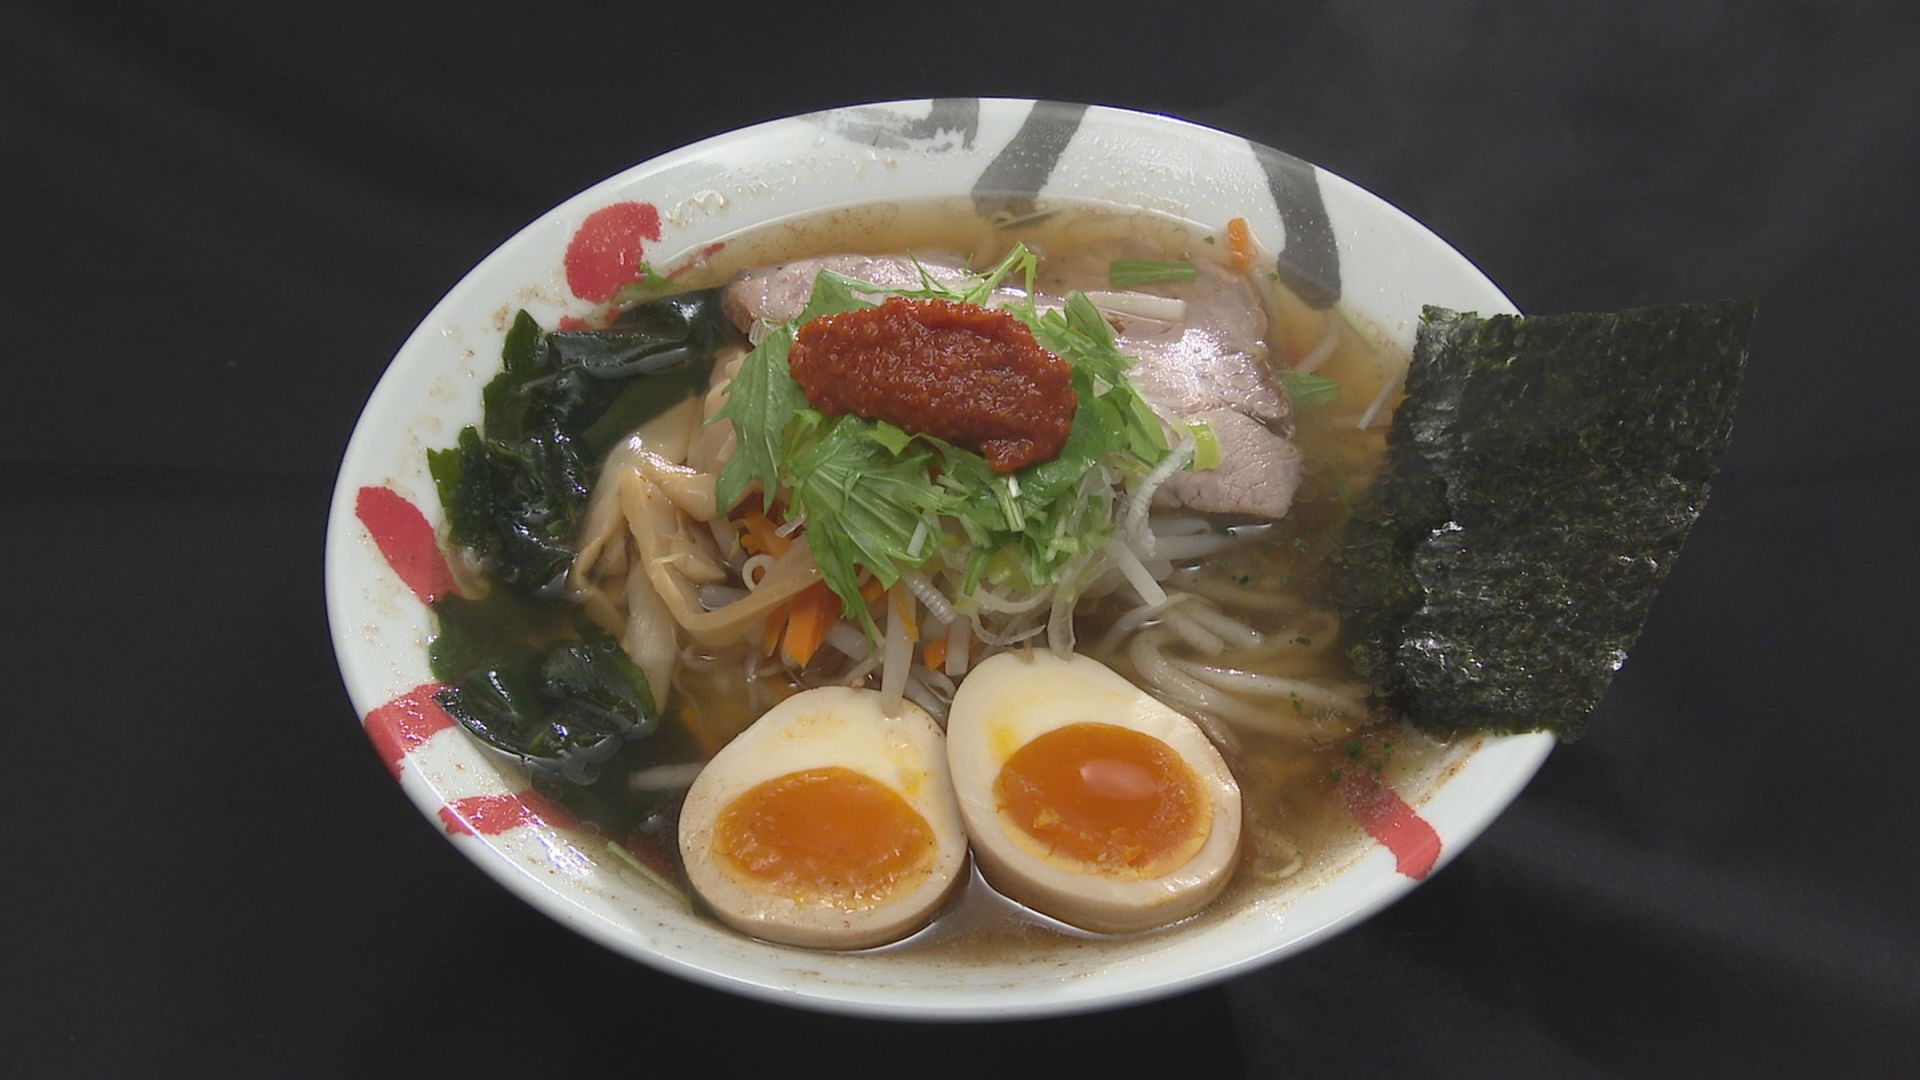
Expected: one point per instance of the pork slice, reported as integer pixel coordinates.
(778, 294)
(1258, 473)
(1210, 364)
(1214, 356)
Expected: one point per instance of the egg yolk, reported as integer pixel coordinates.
(828, 834)
(1115, 800)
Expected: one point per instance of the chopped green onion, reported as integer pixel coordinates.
(1124, 272)
(1206, 445)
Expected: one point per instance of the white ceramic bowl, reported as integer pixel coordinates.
(1333, 239)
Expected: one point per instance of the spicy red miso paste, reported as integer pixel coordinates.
(970, 375)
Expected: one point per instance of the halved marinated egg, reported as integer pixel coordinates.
(1087, 799)
(826, 824)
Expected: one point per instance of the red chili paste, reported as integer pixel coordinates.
(970, 375)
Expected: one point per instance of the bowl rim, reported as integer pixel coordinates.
(1520, 758)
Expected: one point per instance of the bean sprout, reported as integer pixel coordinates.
(1380, 401)
(937, 607)
(1134, 520)
(754, 570)
(665, 777)
(898, 651)
(843, 636)
(1319, 353)
(1137, 576)
(959, 642)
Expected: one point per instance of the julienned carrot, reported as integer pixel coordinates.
(871, 590)
(935, 652)
(763, 536)
(1240, 244)
(808, 619)
(776, 623)
(902, 601)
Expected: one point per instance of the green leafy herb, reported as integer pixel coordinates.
(974, 289)
(1542, 475)
(1079, 335)
(1122, 273)
(1309, 391)
(833, 293)
(863, 505)
(894, 439)
(761, 400)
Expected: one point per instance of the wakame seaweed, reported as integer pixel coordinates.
(532, 677)
(524, 670)
(1541, 477)
(515, 488)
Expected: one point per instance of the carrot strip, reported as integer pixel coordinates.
(871, 590)
(762, 537)
(903, 603)
(812, 613)
(935, 652)
(776, 624)
(1240, 244)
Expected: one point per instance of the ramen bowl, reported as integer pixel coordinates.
(1330, 243)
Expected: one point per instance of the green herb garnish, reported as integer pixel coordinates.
(1309, 391)
(646, 284)
(761, 400)
(1122, 273)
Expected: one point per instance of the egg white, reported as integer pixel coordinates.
(1007, 702)
(824, 728)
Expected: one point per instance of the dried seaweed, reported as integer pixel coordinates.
(1542, 476)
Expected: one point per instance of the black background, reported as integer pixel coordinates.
(221, 223)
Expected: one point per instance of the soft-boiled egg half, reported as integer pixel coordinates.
(826, 824)
(1087, 799)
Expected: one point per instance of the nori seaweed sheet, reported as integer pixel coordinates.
(1542, 475)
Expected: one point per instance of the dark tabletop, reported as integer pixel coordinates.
(223, 220)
